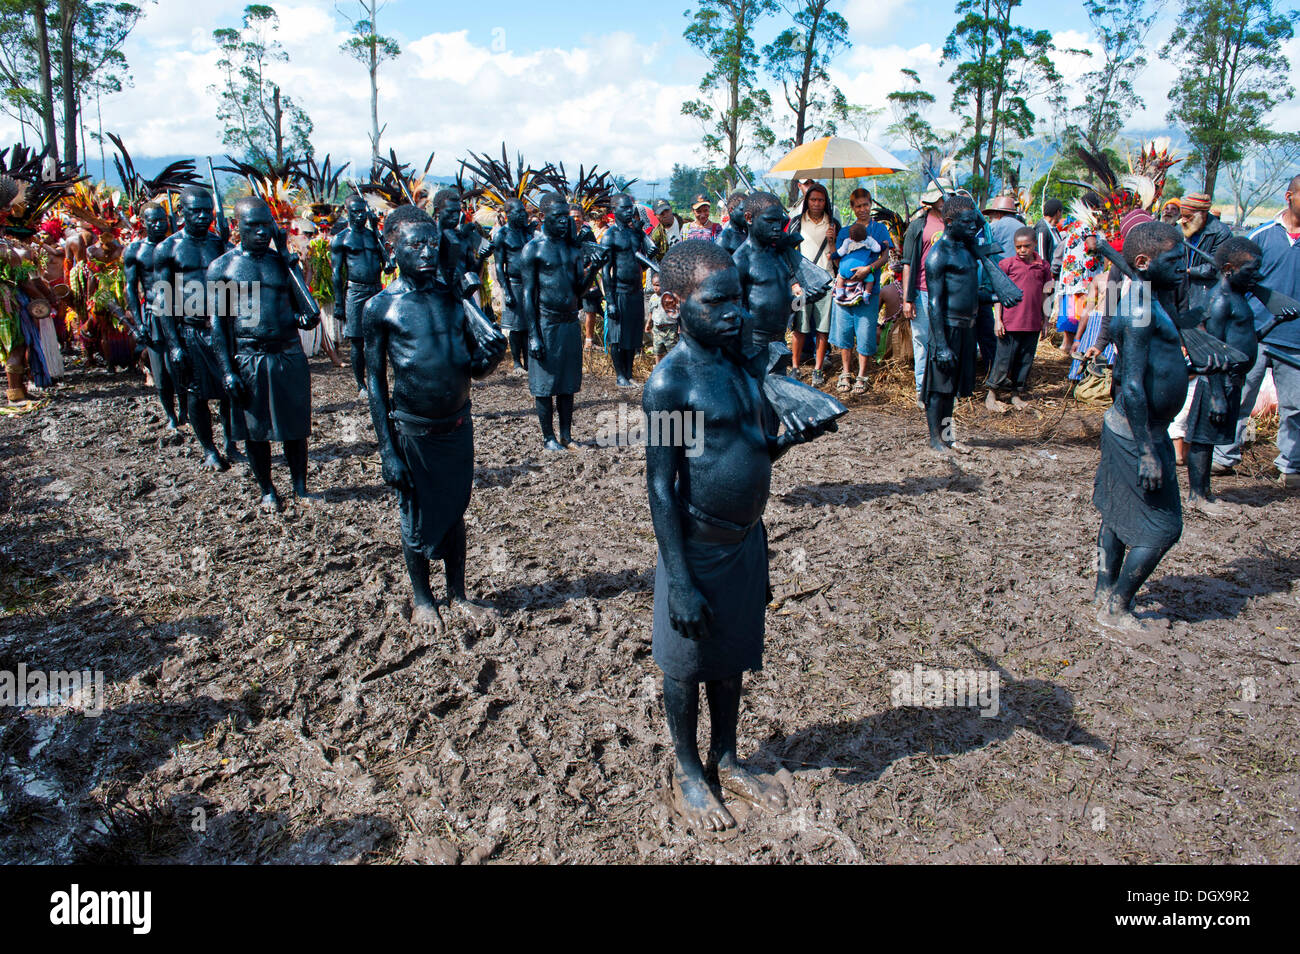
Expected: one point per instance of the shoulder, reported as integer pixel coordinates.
(669, 383)
(1008, 263)
(1266, 232)
(224, 259)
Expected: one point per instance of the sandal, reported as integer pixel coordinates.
(860, 386)
(846, 381)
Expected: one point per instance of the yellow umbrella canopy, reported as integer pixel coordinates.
(834, 158)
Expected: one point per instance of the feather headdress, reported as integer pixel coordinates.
(500, 183)
(35, 194)
(593, 191)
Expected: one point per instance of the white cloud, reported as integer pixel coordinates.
(609, 99)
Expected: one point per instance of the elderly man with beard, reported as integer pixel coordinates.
(1205, 232)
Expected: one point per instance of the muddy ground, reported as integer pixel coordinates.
(268, 702)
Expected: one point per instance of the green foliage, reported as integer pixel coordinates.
(909, 106)
(368, 47)
(689, 181)
(260, 120)
(98, 29)
(1233, 74)
(799, 59)
(999, 67)
(723, 30)
(1122, 27)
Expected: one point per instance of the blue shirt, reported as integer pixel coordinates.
(1280, 271)
(856, 259)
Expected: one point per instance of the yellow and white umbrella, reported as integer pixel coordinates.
(835, 158)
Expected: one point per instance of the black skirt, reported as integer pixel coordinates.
(355, 306)
(561, 370)
(442, 476)
(960, 381)
(279, 395)
(1138, 518)
(205, 373)
(733, 579)
(627, 325)
(1200, 429)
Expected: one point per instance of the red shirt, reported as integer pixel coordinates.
(933, 226)
(1029, 277)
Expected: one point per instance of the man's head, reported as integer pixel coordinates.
(257, 228)
(1171, 211)
(736, 211)
(961, 223)
(932, 197)
(1293, 200)
(764, 216)
(1195, 212)
(1238, 261)
(860, 202)
(1155, 251)
(356, 208)
(664, 213)
(155, 220)
(555, 215)
(1053, 209)
(196, 209)
(577, 213)
(516, 214)
(414, 237)
(446, 206)
(1001, 207)
(625, 210)
(1024, 241)
(701, 286)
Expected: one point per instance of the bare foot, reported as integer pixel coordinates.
(695, 804)
(425, 617)
(551, 444)
(1211, 508)
(271, 502)
(479, 615)
(759, 792)
(1018, 402)
(993, 404)
(941, 450)
(307, 499)
(959, 448)
(1122, 620)
(212, 461)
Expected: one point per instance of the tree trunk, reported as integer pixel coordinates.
(374, 84)
(47, 85)
(278, 127)
(67, 65)
(374, 107)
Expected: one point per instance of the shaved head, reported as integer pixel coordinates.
(404, 215)
(688, 263)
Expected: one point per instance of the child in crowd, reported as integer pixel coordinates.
(658, 321)
(1018, 326)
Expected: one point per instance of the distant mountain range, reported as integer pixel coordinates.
(1036, 162)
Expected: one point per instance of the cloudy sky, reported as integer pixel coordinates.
(579, 81)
